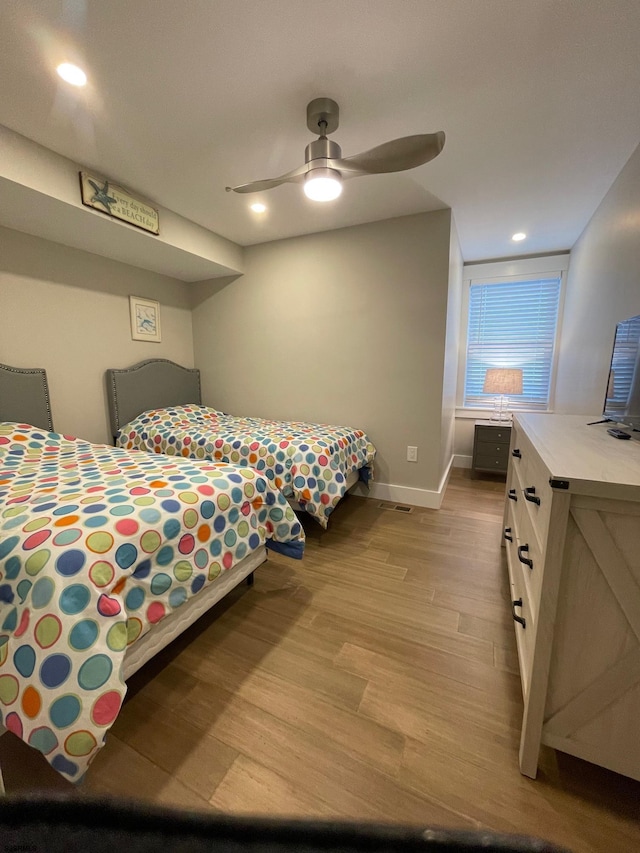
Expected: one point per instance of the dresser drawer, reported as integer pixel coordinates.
(510, 535)
(528, 555)
(534, 492)
(524, 623)
(523, 552)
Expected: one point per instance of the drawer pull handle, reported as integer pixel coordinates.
(530, 495)
(516, 453)
(511, 494)
(522, 549)
(507, 534)
(520, 619)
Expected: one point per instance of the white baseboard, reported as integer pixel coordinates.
(462, 461)
(430, 499)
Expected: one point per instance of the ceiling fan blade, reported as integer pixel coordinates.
(293, 177)
(395, 156)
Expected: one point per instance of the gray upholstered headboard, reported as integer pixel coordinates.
(153, 384)
(24, 396)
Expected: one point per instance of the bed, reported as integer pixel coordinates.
(156, 406)
(105, 557)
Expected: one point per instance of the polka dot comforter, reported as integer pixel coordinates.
(96, 545)
(309, 462)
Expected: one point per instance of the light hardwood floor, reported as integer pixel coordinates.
(376, 679)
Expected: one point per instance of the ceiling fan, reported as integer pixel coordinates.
(325, 168)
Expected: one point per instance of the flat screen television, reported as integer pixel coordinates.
(622, 398)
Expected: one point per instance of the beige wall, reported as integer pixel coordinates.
(463, 446)
(452, 345)
(68, 311)
(603, 288)
(344, 327)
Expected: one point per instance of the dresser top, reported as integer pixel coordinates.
(587, 456)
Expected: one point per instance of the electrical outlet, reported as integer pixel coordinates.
(412, 454)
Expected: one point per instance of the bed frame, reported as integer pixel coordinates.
(24, 398)
(153, 384)
(159, 383)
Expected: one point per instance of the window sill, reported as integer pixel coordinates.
(485, 414)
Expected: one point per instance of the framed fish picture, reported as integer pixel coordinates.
(145, 319)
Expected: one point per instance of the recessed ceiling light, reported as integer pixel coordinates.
(519, 236)
(258, 207)
(72, 74)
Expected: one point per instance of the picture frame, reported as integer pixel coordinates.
(145, 319)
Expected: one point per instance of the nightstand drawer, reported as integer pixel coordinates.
(496, 435)
(490, 448)
(491, 463)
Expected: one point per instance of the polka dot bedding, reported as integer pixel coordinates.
(309, 462)
(96, 545)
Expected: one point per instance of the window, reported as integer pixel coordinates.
(512, 321)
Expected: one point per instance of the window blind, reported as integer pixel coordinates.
(623, 364)
(512, 324)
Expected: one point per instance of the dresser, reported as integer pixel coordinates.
(491, 446)
(572, 537)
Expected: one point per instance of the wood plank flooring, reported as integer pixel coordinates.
(376, 679)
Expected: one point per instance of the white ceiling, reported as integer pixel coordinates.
(539, 100)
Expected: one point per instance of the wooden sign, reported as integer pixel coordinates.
(100, 194)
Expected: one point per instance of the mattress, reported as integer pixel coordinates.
(97, 546)
(310, 463)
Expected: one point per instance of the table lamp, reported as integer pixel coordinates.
(504, 382)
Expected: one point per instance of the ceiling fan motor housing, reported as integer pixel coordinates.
(323, 116)
(322, 149)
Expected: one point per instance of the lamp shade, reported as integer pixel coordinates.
(503, 380)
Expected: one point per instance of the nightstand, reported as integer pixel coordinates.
(491, 447)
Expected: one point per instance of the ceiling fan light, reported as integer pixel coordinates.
(322, 184)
